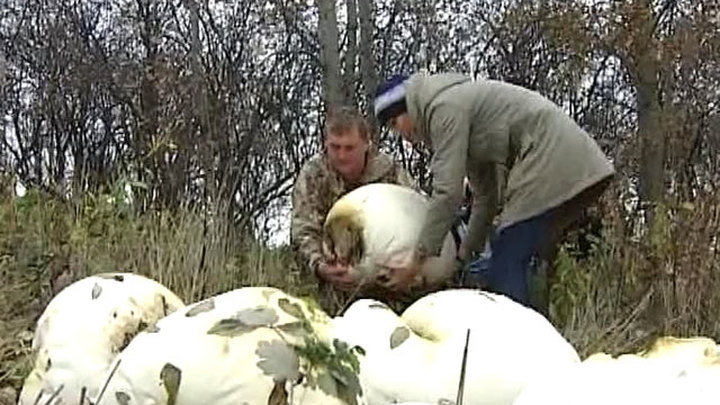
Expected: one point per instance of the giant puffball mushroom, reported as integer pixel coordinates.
(82, 330)
(376, 227)
(673, 371)
(448, 402)
(417, 357)
(683, 352)
(244, 346)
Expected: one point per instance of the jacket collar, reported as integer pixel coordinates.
(422, 89)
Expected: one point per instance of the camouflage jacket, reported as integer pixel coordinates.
(318, 187)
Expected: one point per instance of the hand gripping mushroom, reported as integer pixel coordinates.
(375, 229)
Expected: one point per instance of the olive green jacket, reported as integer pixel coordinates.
(521, 153)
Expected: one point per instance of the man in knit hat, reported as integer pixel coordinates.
(531, 168)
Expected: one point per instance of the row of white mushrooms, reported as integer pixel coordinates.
(124, 339)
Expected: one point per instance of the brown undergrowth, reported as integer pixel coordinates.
(639, 282)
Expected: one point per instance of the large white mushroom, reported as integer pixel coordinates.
(417, 357)
(252, 345)
(375, 228)
(82, 330)
(673, 371)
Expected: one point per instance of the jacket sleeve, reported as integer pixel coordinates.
(487, 185)
(306, 223)
(449, 133)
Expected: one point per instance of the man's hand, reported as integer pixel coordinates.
(462, 253)
(402, 279)
(399, 279)
(337, 274)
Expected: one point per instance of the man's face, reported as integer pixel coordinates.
(403, 125)
(346, 153)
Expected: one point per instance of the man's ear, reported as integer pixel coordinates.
(368, 146)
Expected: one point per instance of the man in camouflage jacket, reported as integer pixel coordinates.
(348, 162)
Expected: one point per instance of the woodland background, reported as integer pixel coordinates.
(163, 137)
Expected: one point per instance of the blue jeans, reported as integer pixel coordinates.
(513, 248)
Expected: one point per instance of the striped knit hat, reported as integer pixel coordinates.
(390, 99)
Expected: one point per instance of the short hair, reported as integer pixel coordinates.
(343, 119)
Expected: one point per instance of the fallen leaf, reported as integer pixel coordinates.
(349, 387)
(278, 360)
(278, 395)
(261, 316)
(111, 276)
(291, 308)
(293, 328)
(245, 321)
(342, 379)
(340, 345)
(96, 291)
(229, 327)
(399, 335)
(122, 398)
(199, 308)
(267, 293)
(152, 329)
(170, 377)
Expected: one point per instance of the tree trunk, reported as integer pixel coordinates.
(368, 66)
(149, 108)
(650, 131)
(329, 54)
(644, 67)
(200, 104)
(351, 52)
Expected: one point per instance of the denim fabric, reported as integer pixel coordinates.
(513, 249)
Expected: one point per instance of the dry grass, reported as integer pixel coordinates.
(632, 287)
(45, 245)
(640, 283)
